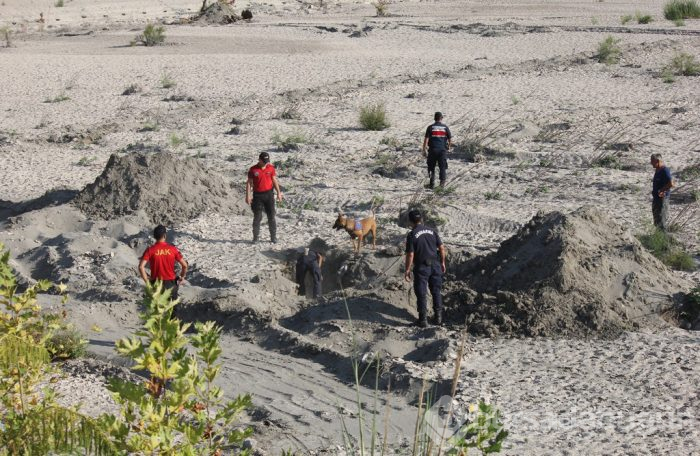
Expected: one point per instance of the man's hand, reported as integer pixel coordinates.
(180, 280)
(424, 152)
(662, 194)
(248, 199)
(444, 268)
(279, 196)
(407, 276)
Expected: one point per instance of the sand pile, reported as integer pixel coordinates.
(218, 13)
(168, 189)
(575, 274)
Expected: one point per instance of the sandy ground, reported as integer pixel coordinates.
(510, 67)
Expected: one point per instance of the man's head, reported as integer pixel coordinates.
(415, 217)
(264, 158)
(159, 233)
(438, 116)
(655, 160)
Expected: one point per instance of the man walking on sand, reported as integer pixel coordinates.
(423, 245)
(660, 192)
(436, 146)
(262, 178)
(161, 258)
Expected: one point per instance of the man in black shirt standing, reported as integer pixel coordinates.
(423, 245)
(436, 145)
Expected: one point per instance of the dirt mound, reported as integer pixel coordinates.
(168, 189)
(577, 274)
(218, 13)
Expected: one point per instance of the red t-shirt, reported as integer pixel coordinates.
(262, 178)
(161, 258)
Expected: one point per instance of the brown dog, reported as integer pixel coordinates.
(357, 229)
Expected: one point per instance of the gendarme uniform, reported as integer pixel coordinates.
(423, 242)
(438, 135)
(309, 264)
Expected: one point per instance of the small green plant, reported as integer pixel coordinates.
(6, 33)
(309, 206)
(287, 142)
(684, 64)
(494, 195)
(86, 161)
(176, 140)
(289, 165)
(667, 249)
(514, 100)
(58, 4)
(595, 20)
(381, 7)
(667, 76)
(445, 190)
(373, 117)
(681, 9)
(610, 161)
(484, 431)
(149, 125)
(679, 23)
(166, 81)
(131, 89)
(180, 409)
(152, 36)
(690, 311)
(376, 201)
(608, 51)
(290, 112)
(391, 141)
(626, 19)
(643, 18)
(67, 343)
(58, 98)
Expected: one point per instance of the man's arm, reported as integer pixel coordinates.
(183, 268)
(142, 271)
(665, 188)
(441, 249)
(276, 184)
(425, 145)
(409, 264)
(249, 191)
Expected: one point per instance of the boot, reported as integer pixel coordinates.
(437, 319)
(422, 322)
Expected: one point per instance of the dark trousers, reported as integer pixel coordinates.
(305, 266)
(659, 210)
(170, 285)
(439, 159)
(428, 276)
(266, 201)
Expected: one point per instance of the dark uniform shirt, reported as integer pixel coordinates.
(662, 177)
(423, 242)
(438, 134)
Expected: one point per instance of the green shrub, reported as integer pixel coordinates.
(643, 18)
(131, 89)
(667, 249)
(66, 344)
(492, 195)
(679, 23)
(151, 36)
(6, 33)
(176, 140)
(684, 64)
(681, 9)
(667, 76)
(373, 117)
(58, 4)
(287, 142)
(626, 18)
(180, 409)
(381, 7)
(58, 98)
(610, 161)
(167, 82)
(149, 125)
(608, 51)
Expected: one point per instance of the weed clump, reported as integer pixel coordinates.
(381, 7)
(373, 117)
(608, 51)
(667, 249)
(285, 143)
(684, 64)
(151, 36)
(681, 9)
(131, 89)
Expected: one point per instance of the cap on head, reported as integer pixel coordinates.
(414, 216)
(159, 232)
(265, 157)
(438, 116)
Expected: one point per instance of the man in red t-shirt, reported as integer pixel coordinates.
(161, 258)
(262, 178)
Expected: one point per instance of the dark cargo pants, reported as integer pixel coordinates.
(264, 201)
(439, 159)
(304, 266)
(659, 210)
(428, 276)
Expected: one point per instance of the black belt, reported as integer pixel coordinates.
(262, 193)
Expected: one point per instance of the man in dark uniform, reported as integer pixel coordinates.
(425, 252)
(660, 192)
(436, 145)
(309, 262)
(161, 258)
(262, 178)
